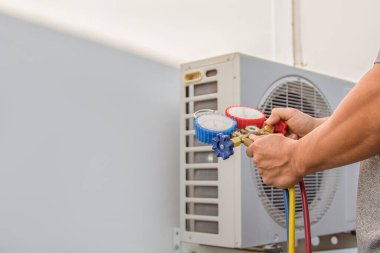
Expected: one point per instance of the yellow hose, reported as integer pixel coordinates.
(292, 219)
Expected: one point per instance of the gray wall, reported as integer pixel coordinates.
(88, 145)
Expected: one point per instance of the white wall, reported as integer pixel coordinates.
(169, 30)
(339, 37)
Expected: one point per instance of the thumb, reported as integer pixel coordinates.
(279, 114)
(273, 119)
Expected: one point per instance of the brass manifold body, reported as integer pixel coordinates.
(242, 135)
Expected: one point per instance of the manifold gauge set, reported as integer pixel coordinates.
(227, 131)
(231, 129)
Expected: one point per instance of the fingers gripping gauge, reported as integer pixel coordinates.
(280, 128)
(246, 116)
(208, 124)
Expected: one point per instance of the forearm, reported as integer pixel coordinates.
(351, 134)
(320, 121)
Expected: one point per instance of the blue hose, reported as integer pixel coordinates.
(286, 204)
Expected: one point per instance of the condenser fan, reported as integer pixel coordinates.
(297, 92)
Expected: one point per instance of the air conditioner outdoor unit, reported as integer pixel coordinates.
(225, 203)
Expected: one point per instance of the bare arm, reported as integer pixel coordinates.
(321, 121)
(351, 134)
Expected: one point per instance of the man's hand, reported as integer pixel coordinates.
(273, 156)
(299, 124)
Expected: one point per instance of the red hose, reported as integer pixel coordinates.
(306, 218)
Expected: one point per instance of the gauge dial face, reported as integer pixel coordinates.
(216, 122)
(245, 112)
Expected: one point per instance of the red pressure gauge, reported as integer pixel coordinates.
(246, 116)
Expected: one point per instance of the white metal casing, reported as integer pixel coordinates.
(241, 220)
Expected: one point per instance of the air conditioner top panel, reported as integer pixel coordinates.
(258, 75)
(210, 61)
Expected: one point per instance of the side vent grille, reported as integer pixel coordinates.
(201, 165)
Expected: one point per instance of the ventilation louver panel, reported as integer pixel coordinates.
(201, 182)
(297, 92)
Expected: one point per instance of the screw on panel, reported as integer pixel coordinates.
(334, 240)
(276, 238)
(176, 240)
(315, 241)
(273, 248)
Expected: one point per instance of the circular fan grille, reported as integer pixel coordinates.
(299, 93)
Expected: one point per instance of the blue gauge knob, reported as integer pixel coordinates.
(223, 146)
(209, 124)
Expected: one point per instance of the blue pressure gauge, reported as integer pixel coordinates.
(208, 124)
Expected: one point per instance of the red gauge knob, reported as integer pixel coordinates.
(280, 128)
(245, 116)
